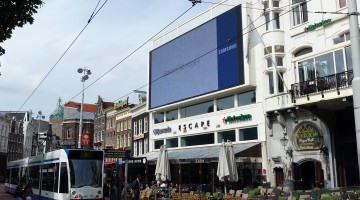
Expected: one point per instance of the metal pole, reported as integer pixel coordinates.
(126, 177)
(355, 53)
(81, 115)
(37, 138)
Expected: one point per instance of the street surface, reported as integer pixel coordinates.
(3, 194)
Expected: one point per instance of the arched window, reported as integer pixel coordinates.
(303, 51)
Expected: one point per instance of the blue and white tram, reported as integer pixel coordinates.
(64, 174)
(16, 170)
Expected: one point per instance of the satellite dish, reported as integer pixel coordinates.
(80, 70)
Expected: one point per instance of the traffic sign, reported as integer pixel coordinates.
(116, 153)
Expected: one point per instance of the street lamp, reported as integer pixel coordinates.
(86, 73)
(284, 142)
(39, 117)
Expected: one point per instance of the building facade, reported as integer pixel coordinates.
(71, 125)
(100, 123)
(4, 140)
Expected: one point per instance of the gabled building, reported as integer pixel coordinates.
(71, 124)
(100, 122)
(5, 124)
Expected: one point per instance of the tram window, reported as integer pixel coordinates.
(50, 177)
(7, 176)
(34, 176)
(63, 178)
(14, 179)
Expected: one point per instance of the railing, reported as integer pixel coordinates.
(321, 84)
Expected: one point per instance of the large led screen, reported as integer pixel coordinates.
(206, 59)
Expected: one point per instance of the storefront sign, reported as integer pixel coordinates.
(67, 142)
(316, 25)
(305, 134)
(232, 119)
(121, 104)
(161, 131)
(195, 125)
(85, 139)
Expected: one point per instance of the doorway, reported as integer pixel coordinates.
(279, 176)
(308, 175)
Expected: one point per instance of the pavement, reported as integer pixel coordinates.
(3, 194)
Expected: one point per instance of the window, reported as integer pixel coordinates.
(68, 133)
(197, 140)
(171, 143)
(267, 50)
(300, 12)
(102, 136)
(125, 125)
(226, 135)
(348, 58)
(267, 20)
(306, 70)
(121, 126)
(140, 147)
(342, 3)
(146, 145)
(146, 125)
(342, 38)
(135, 149)
(158, 117)
(271, 83)
(198, 109)
(225, 103)
(303, 51)
(279, 61)
(248, 134)
(135, 128)
(266, 4)
(325, 64)
(276, 20)
(129, 124)
(158, 144)
(276, 4)
(279, 48)
(140, 127)
(172, 115)
(280, 82)
(63, 178)
(246, 98)
(118, 127)
(129, 139)
(269, 62)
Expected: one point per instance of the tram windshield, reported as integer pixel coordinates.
(86, 168)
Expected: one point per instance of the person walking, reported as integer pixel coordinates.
(136, 188)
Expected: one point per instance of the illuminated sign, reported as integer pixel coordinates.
(232, 119)
(121, 104)
(316, 25)
(85, 139)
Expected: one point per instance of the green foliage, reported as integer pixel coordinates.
(253, 192)
(282, 198)
(15, 13)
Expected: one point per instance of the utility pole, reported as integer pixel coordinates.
(355, 54)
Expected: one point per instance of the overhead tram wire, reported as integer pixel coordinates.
(236, 36)
(63, 54)
(134, 51)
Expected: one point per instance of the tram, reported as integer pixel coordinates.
(61, 174)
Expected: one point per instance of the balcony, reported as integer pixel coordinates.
(320, 85)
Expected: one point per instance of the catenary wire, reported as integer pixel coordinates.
(62, 55)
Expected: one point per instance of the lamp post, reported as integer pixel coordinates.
(86, 73)
(39, 117)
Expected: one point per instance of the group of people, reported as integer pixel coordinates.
(23, 190)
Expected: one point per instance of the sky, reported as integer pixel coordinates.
(117, 30)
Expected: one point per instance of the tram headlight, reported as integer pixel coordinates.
(99, 192)
(73, 192)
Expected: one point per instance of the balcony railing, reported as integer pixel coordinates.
(321, 84)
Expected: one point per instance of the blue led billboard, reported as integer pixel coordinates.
(204, 60)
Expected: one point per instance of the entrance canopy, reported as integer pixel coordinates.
(196, 154)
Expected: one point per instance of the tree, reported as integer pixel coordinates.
(15, 13)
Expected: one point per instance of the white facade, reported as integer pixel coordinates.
(286, 46)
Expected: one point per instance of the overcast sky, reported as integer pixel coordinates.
(118, 29)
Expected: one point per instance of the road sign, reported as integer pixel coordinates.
(116, 153)
(138, 160)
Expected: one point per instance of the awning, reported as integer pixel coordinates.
(196, 154)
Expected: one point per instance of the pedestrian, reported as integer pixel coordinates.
(19, 190)
(136, 188)
(27, 195)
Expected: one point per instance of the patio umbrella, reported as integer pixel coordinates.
(223, 166)
(233, 173)
(162, 170)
